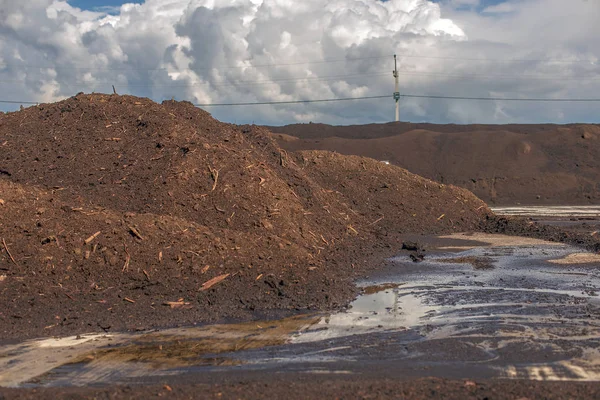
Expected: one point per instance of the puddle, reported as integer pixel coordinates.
(498, 308)
(86, 359)
(549, 211)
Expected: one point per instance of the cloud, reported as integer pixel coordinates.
(500, 8)
(230, 51)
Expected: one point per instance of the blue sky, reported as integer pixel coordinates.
(91, 4)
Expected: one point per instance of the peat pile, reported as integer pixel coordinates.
(501, 164)
(120, 213)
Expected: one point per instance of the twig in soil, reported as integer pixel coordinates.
(208, 284)
(282, 160)
(323, 239)
(94, 236)
(376, 221)
(135, 233)
(127, 259)
(127, 299)
(214, 173)
(441, 216)
(230, 218)
(146, 273)
(8, 252)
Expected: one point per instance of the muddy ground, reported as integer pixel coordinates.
(120, 214)
(521, 317)
(501, 164)
(316, 387)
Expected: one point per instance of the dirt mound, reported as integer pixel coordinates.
(501, 164)
(120, 213)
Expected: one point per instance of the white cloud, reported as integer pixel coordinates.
(221, 51)
(506, 7)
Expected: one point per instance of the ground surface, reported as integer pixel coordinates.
(314, 387)
(501, 164)
(521, 316)
(118, 213)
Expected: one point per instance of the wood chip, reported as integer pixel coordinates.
(441, 216)
(94, 236)
(135, 232)
(214, 173)
(208, 284)
(127, 259)
(8, 252)
(177, 304)
(376, 221)
(2, 202)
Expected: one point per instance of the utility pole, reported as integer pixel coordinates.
(397, 90)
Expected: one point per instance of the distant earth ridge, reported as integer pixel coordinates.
(502, 164)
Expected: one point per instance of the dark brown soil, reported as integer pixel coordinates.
(314, 387)
(516, 226)
(501, 164)
(114, 206)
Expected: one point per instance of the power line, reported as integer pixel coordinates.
(293, 101)
(497, 98)
(401, 95)
(269, 65)
(236, 84)
(368, 98)
(497, 76)
(18, 102)
(325, 61)
(497, 59)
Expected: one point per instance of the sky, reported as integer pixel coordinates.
(265, 51)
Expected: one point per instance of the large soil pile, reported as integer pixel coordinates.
(501, 164)
(120, 213)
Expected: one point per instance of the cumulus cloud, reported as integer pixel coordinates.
(231, 51)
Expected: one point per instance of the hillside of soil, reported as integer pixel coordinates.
(501, 164)
(120, 213)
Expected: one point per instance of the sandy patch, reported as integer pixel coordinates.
(498, 240)
(577, 258)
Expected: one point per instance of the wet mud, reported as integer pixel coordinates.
(523, 317)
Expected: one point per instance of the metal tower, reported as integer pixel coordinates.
(397, 90)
